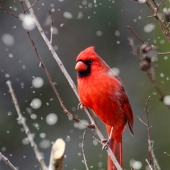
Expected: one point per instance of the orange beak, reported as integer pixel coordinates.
(80, 66)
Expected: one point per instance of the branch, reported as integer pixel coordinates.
(52, 27)
(143, 42)
(32, 5)
(152, 158)
(164, 53)
(27, 131)
(137, 36)
(148, 129)
(73, 86)
(155, 9)
(57, 155)
(7, 11)
(166, 153)
(144, 56)
(84, 157)
(148, 164)
(6, 160)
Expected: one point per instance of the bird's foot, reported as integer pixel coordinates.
(80, 106)
(106, 144)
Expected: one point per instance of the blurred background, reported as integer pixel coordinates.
(78, 25)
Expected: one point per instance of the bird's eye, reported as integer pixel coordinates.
(90, 61)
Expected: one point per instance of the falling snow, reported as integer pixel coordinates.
(116, 70)
(99, 33)
(42, 135)
(37, 82)
(149, 28)
(51, 119)
(45, 143)
(117, 33)
(136, 164)
(166, 100)
(36, 103)
(8, 39)
(27, 21)
(68, 15)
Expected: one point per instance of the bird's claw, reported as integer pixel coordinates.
(106, 144)
(80, 106)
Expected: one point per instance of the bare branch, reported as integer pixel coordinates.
(32, 5)
(150, 167)
(155, 8)
(7, 11)
(164, 53)
(57, 155)
(142, 121)
(148, 129)
(71, 82)
(152, 157)
(27, 131)
(166, 153)
(97, 140)
(22, 5)
(52, 27)
(137, 36)
(84, 157)
(6, 160)
(142, 41)
(146, 64)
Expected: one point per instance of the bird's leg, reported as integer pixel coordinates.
(106, 142)
(80, 106)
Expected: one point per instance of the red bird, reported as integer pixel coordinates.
(102, 90)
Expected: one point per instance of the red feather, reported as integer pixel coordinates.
(102, 90)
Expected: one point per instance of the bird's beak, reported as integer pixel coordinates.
(80, 66)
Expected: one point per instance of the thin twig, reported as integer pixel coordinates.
(152, 157)
(22, 5)
(7, 11)
(84, 157)
(142, 41)
(27, 131)
(166, 153)
(97, 140)
(73, 86)
(155, 85)
(137, 36)
(52, 27)
(150, 167)
(32, 5)
(6, 160)
(136, 52)
(142, 121)
(148, 129)
(155, 8)
(164, 53)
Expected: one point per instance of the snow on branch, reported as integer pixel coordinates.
(6, 160)
(27, 131)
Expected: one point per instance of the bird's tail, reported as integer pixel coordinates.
(116, 147)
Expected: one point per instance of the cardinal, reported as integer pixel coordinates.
(101, 90)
